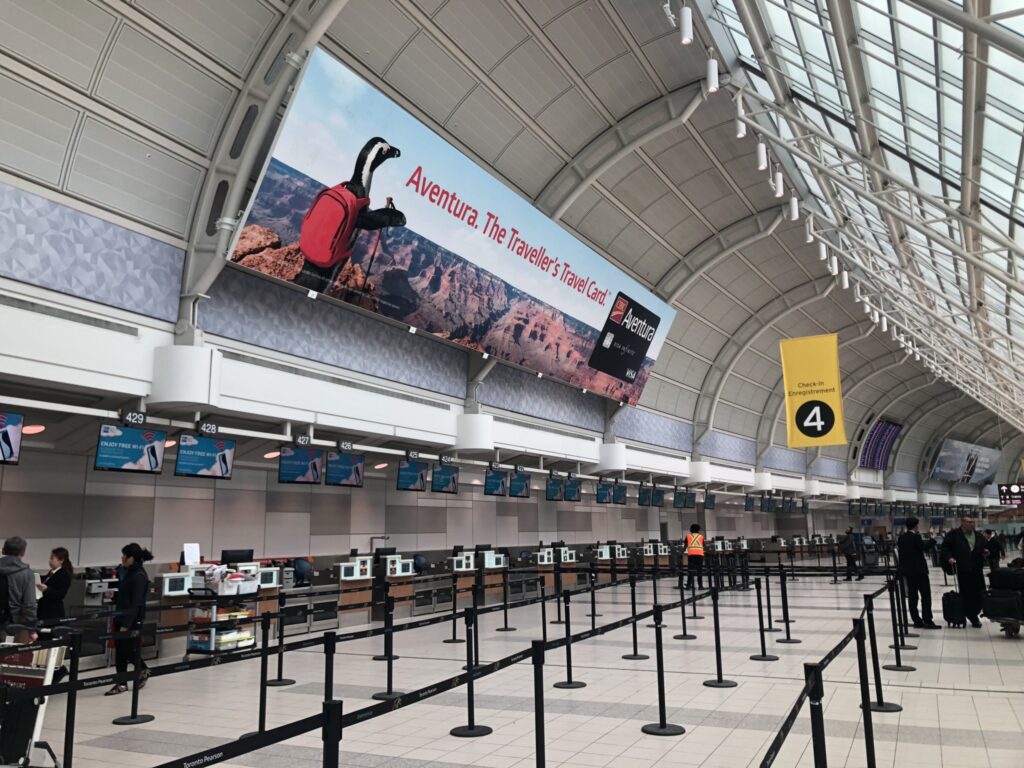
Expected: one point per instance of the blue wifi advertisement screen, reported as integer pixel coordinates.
(300, 465)
(200, 456)
(130, 449)
(10, 437)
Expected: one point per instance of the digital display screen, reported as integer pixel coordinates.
(200, 456)
(960, 462)
(748, 503)
(658, 497)
(709, 501)
(297, 464)
(519, 485)
(412, 475)
(805, 505)
(643, 497)
(618, 494)
(10, 437)
(495, 482)
(787, 506)
(555, 489)
(130, 449)
(684, 500)
(345, 469)
(1011, 495)
(445, 479)
(938, 521)
(874, 453)
(604, 493)
(773, 505)
(573, 489)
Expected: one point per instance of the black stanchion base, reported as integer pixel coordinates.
(556, 621)
(385, 696)
(453, 640)
(765, 657)
(899, 668)
(570, 684)
(669, 729)
(593, 615)
(785, 621)
(720, 683)
(505, 629)
(687, 636)
(465, 667)
(251, 733)
(885, 707)
(911, 634)
(129, 720)
(467, 732)
(903, 647)
(281, 683)
(392, 657)
(789, 641)
(636, 657)
(773, 629)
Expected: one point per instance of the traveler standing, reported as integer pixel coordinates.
(848, 548)
(965, 550)
(17, 588)
(913, 569)
(695, 556)
(55, 585)
(994, 548)
(130, 602)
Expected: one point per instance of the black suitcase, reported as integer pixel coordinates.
(953, 606)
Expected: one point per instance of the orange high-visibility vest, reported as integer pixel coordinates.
(695, 544)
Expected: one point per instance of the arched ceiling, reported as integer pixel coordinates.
(579, 105)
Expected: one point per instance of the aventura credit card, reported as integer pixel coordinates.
(627, 335)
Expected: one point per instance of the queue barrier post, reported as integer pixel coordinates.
(865, 691)
(901, 635)
(835, 567)
(662, 727)
(389, 646)
(568, 682)
(593, 595)
(75, 650)
(543, 609)
(331, 733)
(261, 717)
(899, 666)
(792, 563)
(764, 655)
(455, 611)
(719, 681)
(135, 718)
(902, 586)
(785, 609)
(558, 587)
(815, 694)
(538, 701)
(330, 648)
(693, 601)
(635, 655)
(655, 574)
(280, 680)
(504, 604)
(685, 634)
(389, 626)
(471, 729)
(881, 705)
(768, 599)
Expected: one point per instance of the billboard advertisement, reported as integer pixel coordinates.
(200, 456)
(363, 203)
(960, 462)
(300, 465)
(10, 437)
(130, 449)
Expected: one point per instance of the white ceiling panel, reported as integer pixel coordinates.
(586, 37)
(544, 11)
(528, 163)
(36, 152)
(604, 223)
(63, 39)
(484, 125)
(622, 86)
(430, 77)
(571, 121)
(530, 77)
(674, 63)
(640, 189)
(374, 31)
(486, 31)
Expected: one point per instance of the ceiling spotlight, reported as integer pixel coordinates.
(917, 355)
(844, 280)
(762, 155)
(833, 264)
(712, 73)
(412, 329)
(780, 185)
(874, 316)
(486, 355)
(822, 250)
(741, 127)
(794, 208)
(584, 390)
(540, 375)
(32, 429)
(867, 308)
(809, 228)
(895, 334)
(380, 466)
(686, 24)
(170, 443)
(885, 323)
(271, 454)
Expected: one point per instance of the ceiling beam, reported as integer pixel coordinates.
(986, 30)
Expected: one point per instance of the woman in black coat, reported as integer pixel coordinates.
(130, 604)
(55, 586)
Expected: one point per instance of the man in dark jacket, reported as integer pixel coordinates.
(848, 548)
(913, 568)
(964, 550)
(995, 549)
(21, 583)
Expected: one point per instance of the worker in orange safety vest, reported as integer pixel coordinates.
(695, 556)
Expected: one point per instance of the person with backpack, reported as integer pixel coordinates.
(847, 546)
(17, 587)
(130, 604)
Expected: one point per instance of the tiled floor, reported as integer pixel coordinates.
(964, 706)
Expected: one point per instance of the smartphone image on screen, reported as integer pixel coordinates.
(314, 471)
(154, 463)
(6, 446)
(222, 463)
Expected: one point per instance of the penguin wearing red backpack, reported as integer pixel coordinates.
(334, 220)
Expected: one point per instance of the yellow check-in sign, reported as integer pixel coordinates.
(814, 397)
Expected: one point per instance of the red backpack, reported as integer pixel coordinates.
(328, 227)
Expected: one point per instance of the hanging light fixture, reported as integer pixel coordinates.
(809, 228)
(844, 280)
(874, 316)
(712, 73)
(780, 184)
(686, 24)
(822, 250)
(741, 127)
(794, 207)
(833, 265)
(762, 155)
(885, 324)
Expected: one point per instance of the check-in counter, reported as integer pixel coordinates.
(656, 551)
(610, 553)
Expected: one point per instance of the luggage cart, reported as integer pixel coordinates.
(21, 722)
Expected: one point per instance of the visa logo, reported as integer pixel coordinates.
(630, 374)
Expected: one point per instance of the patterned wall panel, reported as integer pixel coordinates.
(902, 479)
(654, 429)
(831, 468)
(52, 246)
(720, 445)
(513, 390)
(785, 459)
(254, 310)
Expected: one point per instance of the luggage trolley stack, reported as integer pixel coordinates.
(21, 720)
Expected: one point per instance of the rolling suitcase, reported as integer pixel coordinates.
(953, 606)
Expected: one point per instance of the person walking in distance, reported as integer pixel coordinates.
(913, 569)
(995, 549)
(695, 556)
(964, 550)
(130, 602)
(848, 548)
